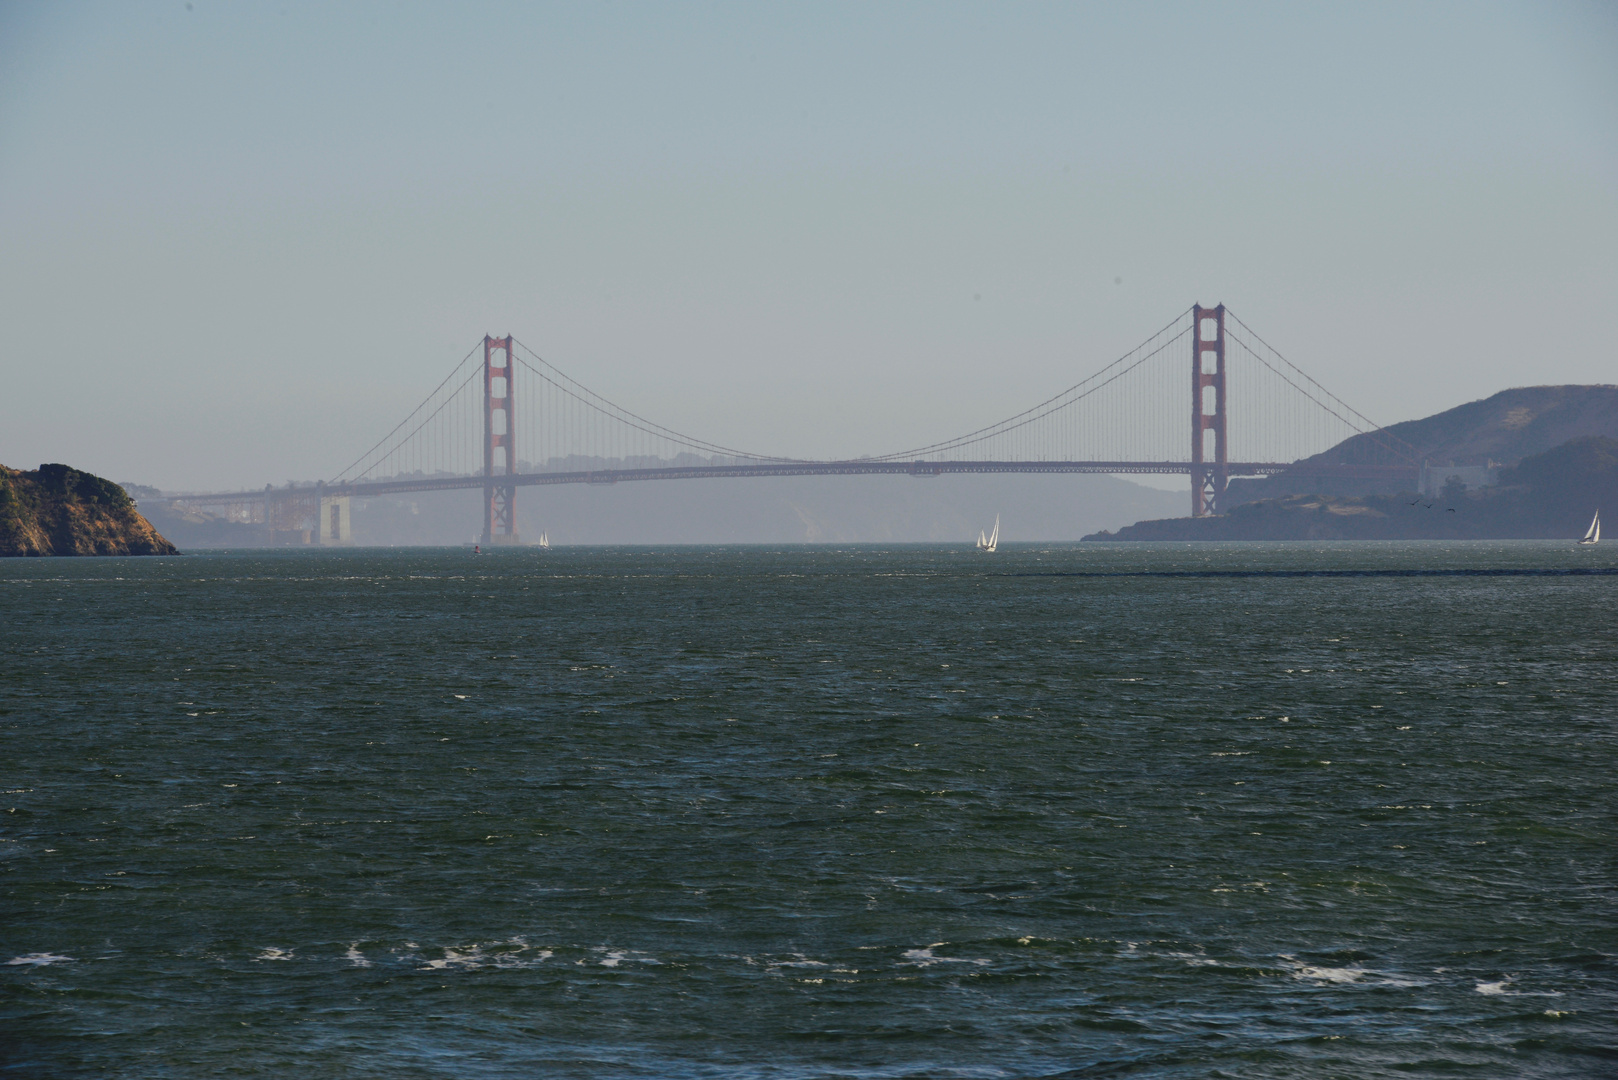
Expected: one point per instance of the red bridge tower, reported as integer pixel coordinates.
(499, 500)
(1208, 478)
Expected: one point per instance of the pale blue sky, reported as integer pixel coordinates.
(242, 240)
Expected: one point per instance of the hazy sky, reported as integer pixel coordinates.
(241, 241)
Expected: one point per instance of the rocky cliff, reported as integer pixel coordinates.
(57, 510)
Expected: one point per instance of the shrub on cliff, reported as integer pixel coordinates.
(59, 510)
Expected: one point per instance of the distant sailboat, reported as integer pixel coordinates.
(544, 542)
(1592, 535)
(992, 541)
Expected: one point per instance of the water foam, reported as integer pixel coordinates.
(925, 957)
(1344, 976)
(614, 957)
(38, 959)
(1501, 988)
(467, 959)
(799, 961)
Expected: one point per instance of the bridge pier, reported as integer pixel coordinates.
(1208, 478)
(333, 521)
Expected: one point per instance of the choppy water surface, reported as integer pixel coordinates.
(872, 812)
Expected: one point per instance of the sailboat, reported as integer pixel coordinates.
(1592, 535)
(992, 541)
(544, 542)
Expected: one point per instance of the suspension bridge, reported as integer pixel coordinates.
(1204, 397)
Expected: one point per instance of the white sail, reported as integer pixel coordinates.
(1592, 535)
(992, 541)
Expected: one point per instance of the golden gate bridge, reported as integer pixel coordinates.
(1205, 397)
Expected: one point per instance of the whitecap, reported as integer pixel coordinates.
(925, 957)
(274, 954)
(1323, 974)
(355, 957)
(466, 960)
(799, 961)
(1326, 974)
(1495, 989)
(1192, 959)
(512, 961)
(1342, 976)
(38, 959)
(614, 957)
(506, 954)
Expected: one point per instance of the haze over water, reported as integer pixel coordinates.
(811, 812)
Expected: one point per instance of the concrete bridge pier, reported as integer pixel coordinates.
(333, 523)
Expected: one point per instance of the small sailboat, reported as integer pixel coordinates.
(1592, 535)
(544, 542)
(992, 541)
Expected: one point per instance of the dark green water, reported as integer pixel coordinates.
(872, 812)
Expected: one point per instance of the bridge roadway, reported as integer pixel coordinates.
(366, 488)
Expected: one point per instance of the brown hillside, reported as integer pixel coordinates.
(58, 510)
(1547, 496)
(1505, 428)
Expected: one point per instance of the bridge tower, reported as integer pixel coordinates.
(499, 500)
(1208, 478)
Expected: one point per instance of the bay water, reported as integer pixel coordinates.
(1179, 810)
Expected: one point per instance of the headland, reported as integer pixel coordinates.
(59, 510)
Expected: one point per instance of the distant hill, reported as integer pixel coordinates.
(1505, 428)
(58, 510)
(1545, 496)
(195, 530)
(1502, 429)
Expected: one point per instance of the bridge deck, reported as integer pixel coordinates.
(810, 468)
